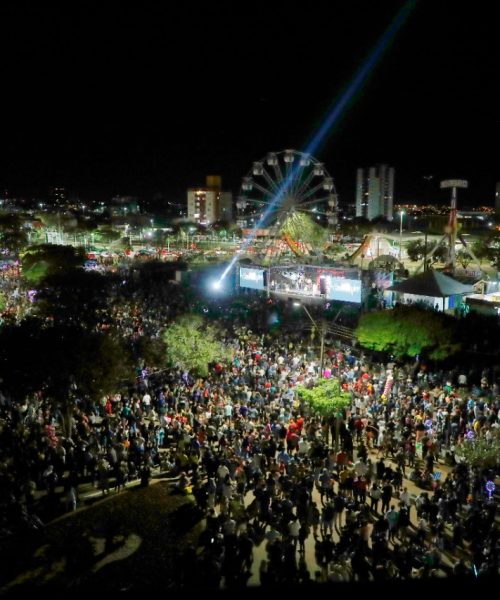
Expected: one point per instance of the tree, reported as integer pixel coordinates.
(193, 345)
(66, 362)
(21, 371)
(302, 228)
(416, 250)
(107, 235)
(76, 296)
(464, 258)
(78, 363)
(408, 331)
(3, 302)
(152, 351)
(327, 399)
(480, 451)
(12, 234)
(494, 248)
(41, 261)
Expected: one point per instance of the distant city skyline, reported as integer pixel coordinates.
(119, 100)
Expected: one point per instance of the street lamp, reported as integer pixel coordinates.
(401, 213)
(322, 336)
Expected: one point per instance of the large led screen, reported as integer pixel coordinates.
(345, 290)
(252, 278)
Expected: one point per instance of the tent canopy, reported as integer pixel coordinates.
(431, 283)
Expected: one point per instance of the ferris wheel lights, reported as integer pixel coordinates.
(283, 183)
(247, 184)
(258, 169)
(328, 184)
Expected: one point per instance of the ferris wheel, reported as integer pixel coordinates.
(302, 183)
(284, 184)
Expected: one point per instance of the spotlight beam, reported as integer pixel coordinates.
(340, 105)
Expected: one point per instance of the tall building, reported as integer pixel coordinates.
(375, 192)
(210, 203)
(497, 200)
(58, 198)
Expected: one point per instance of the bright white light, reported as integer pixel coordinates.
(216, 285)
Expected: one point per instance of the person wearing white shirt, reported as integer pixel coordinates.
(405, 498)
(293, 530)
(146, 403)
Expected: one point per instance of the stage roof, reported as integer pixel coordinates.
(431, 283)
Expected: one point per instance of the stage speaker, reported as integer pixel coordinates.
(322, 285)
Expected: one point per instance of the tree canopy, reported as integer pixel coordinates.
(76, 296)
(480, 451)
(12, 234)
(43, 260)
(408, 331)
(65, 362)
(302, 228)
(193, 345)
(326, 397)
(56, 359)
(416, 251)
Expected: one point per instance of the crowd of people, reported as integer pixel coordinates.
(265, 469)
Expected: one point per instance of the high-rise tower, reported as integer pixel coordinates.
(375, 192)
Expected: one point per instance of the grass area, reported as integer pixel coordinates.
(126, 542)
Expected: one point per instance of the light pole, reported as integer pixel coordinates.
(401, 213)
(322, 337)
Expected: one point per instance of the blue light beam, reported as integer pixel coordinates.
(340, 105)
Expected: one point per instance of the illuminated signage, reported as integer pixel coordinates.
(345, 290)
(450, 183)
(252, 278)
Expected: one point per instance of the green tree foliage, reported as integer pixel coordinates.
(407, 331)
(326, 397)
(481, 452)
(193, 345)
(107, 234)
(41, 261)
(3, 302)
(493, 245)
(67, 362)
(152, 351)
(464, 258)
(480, 333)
(480, 248)
(302, 228)
(416, 249)
(12, 234)
(76, 296)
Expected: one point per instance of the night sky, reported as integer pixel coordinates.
(127, 99)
